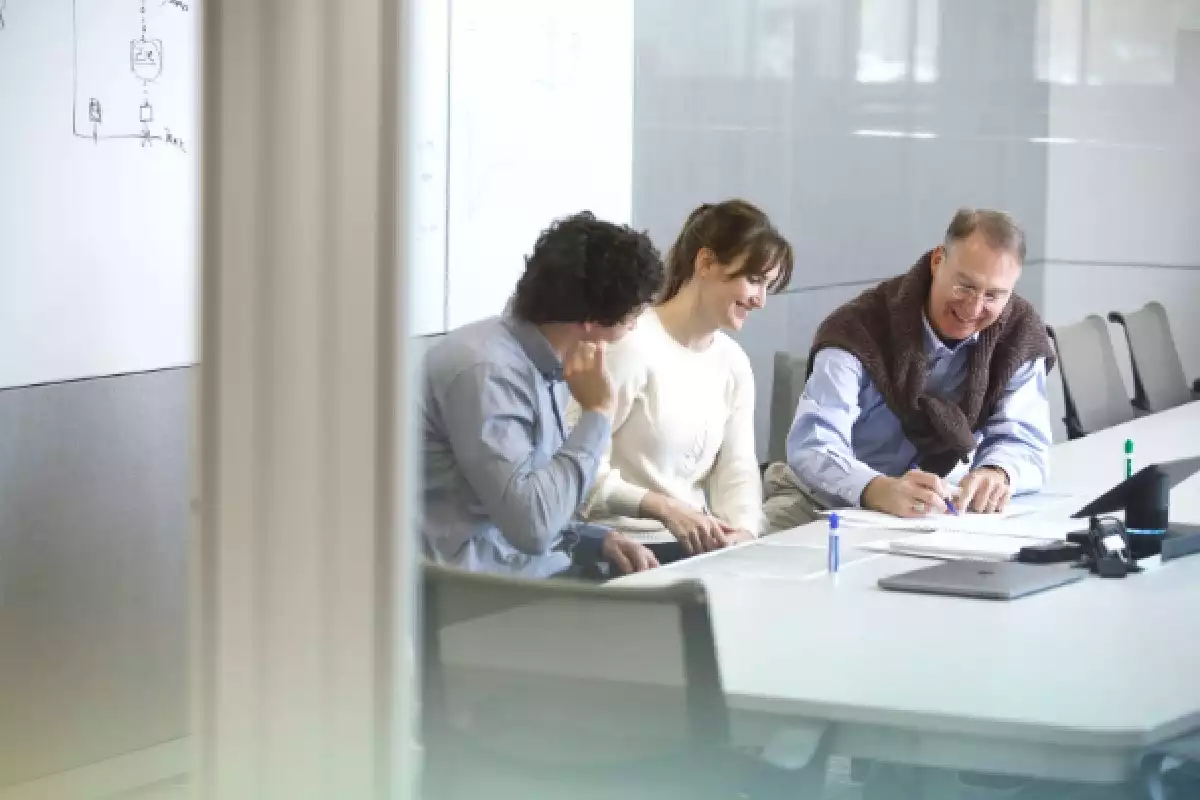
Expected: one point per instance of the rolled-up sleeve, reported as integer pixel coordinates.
(1016, 438)
(493, 441)
(819, 448)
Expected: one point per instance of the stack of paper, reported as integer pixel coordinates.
(955, 545)
(1022, 524)
(984, 536)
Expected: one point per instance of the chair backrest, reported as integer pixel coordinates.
(787, 384)
(1158, 377)
(1094, 394)
(558, 689)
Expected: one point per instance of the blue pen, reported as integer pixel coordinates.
(835, 544)
(916, 464)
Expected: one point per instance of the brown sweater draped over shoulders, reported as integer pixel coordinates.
(884, 328)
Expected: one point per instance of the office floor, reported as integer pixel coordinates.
(838, 786)
(174, 789)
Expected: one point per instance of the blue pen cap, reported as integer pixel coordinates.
(834, 521)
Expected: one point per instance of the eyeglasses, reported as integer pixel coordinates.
(970, 294)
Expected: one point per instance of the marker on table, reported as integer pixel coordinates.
(1129, 458)
(835, 544)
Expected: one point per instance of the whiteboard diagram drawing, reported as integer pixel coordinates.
(113, 84)
(98, 266)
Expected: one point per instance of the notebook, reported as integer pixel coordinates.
(954, 545)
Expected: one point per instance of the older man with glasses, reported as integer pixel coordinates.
(941, 366)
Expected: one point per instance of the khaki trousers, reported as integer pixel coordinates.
(788, 503)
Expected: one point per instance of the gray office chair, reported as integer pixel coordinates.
(1171, 769)
(787, 384)
(1093, 393)
(555, 689)
(1159, 381)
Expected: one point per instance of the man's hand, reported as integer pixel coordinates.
(917, 494)
(587, 380)
(737, 536)
(625, 555)
(984, 490)
(696, 531)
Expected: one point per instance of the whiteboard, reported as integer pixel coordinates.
(425, 120)
(98, 208)
(540, 126)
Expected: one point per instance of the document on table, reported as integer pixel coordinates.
(955, 545)
(1017, 521)
(1052, 502)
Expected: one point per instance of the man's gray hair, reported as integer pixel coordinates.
(999, 230)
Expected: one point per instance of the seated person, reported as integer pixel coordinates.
(681, 474)
(502, 479)
(916, 375)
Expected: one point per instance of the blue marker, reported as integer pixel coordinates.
(835, 544)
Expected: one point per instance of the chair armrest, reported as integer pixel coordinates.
(1196, 387)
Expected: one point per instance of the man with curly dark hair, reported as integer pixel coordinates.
(503, 476)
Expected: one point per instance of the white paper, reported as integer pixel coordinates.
(956, 545)
(1019, 524)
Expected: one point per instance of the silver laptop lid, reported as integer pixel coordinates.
(992, 580)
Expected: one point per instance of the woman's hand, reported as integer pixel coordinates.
(696, 531)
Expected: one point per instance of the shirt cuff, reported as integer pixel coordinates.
(591, 433)
(850, 489)
(1022, 477)
(591, 541)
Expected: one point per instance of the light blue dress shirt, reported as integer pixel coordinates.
(844, 435)
(503, 480)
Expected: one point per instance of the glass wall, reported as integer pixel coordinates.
(858, 126)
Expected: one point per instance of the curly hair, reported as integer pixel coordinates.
(729, 229)
(586, 270)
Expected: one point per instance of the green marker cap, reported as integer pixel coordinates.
(1128, 446)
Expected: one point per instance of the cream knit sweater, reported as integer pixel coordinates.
(683, 427)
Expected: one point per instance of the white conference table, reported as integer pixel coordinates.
(1071, 684)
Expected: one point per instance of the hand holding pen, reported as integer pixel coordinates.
(916, 494)
(935, 483)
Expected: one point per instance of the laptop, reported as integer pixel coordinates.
(987, 580)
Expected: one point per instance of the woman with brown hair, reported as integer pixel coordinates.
(681, 474)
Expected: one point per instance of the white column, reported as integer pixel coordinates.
(303, 594)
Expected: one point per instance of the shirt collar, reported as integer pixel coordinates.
(536, 347)
(934, 343)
